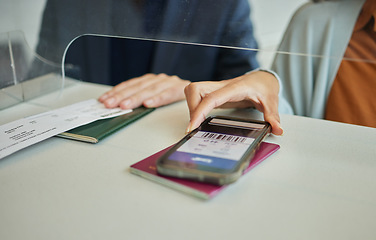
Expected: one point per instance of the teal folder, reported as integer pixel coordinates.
(96, 131)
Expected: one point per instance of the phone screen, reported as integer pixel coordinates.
(219, 144)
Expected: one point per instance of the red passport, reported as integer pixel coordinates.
(146, 168)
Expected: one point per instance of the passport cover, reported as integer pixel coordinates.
(147, 168)
(96, 131)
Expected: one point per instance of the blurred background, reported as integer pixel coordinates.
(270, 18)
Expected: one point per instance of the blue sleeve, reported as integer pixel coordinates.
(237, 32)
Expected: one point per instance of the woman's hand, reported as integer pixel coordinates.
(255, 89)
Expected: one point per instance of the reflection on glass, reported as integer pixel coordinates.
(111, 60)
(196, 40)
(219, 22)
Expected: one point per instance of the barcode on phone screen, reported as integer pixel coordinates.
(223, 137)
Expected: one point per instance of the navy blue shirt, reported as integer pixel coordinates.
(110, 61)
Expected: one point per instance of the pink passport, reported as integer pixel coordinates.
(146, 168)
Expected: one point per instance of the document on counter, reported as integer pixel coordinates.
(22, 133)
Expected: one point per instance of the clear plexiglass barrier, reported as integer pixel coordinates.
(23, 74)
(108, 42)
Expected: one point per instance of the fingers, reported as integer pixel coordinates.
(271, 116)
(199, 113)
(163, 94)
(194, 94)
(224, 96)
(203, 97)
(258, 90)
(267, 100)
(149, 90)
(119, 95)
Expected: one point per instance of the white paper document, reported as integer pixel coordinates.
(24, 132)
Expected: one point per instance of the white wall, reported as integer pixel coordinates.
(22, 15)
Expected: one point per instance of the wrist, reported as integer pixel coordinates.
(272, 73)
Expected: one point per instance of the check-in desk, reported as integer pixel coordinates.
(321, 184)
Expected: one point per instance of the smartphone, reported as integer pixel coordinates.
(217, 152)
